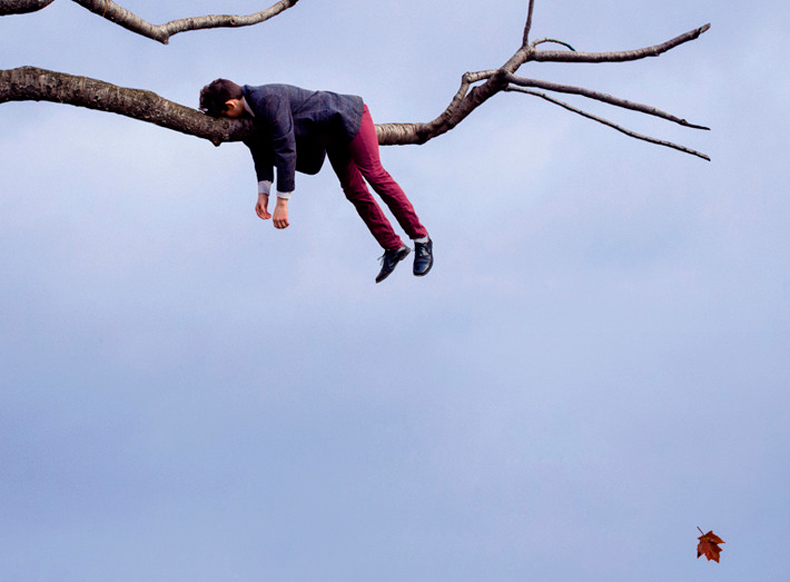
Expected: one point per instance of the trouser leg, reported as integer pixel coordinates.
(357, 193)
(364, 151)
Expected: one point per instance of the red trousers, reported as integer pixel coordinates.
(360, 162)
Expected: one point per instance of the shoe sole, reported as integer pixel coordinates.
(428, 270)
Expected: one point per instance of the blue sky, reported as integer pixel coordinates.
(597, 364)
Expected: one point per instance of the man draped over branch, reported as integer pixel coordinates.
(296, 129)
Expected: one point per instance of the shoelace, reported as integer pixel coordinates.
(394, 255)
(383, 257)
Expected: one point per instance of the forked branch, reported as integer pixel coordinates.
(598, 96)
(30, 83)
(619, 128)
(469, 97)
(160, 32)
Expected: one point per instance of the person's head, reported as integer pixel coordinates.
(222, 98)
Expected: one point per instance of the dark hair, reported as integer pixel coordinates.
(214, 95)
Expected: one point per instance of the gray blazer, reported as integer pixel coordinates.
(294, 127)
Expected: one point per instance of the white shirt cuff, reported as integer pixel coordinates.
(264, 187)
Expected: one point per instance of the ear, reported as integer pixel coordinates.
(229, 104)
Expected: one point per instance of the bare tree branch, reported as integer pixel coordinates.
(22, 6)
(160, 32)
(528, 25)
(463, 103)
(465, 100)
(618, 56)
(627, 132)
(604, 97)
(29, 83)
(34, 84)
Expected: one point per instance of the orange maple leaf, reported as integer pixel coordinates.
(709, 545)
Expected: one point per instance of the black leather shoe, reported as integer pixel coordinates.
(423, 258)
(390, 260)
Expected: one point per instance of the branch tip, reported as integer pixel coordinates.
(606, 122)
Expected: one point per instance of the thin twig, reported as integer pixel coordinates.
(528, 25)
(604, 97)
(617, 56)
(554, 40)
(619, 128)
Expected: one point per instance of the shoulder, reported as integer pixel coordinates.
(268, 101)
(259, 91)
(273, 90)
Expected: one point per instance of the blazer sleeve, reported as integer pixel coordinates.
(262, 157)
(278, 119)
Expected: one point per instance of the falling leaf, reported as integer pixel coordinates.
(709, 545)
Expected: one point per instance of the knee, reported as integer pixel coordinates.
(378, 175)
(357, 194)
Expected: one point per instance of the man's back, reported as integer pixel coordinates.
(323, 115)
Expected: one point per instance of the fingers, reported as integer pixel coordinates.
(262, 212)
(262, 206)
(281, 214)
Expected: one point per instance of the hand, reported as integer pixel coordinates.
(262, 207)
(281, 213)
